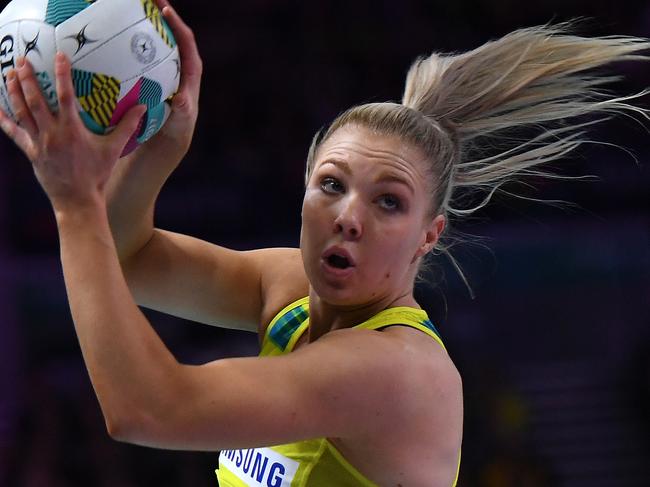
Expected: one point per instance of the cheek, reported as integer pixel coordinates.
(312, 212)
(390, 249)
(314, 220)
(396, 248)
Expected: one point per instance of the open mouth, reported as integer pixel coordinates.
(338, 261)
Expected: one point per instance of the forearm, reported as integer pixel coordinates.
(129, 366)
(132, 192)
(137, 179)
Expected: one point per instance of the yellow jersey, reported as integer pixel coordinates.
(316, 462)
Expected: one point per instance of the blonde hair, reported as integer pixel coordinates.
(463, 111)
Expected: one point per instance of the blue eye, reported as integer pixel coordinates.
(389, 202)
(331, 185)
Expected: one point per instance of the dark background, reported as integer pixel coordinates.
(554, 349)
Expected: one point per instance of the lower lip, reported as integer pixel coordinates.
(335, 271)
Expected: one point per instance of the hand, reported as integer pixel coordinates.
(71, 163)
(174, 138)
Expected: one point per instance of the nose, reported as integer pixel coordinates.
(348, 221)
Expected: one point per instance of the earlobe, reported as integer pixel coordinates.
(431, 237)
(422, 249)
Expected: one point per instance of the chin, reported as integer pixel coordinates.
(342, 295)
(336, 294)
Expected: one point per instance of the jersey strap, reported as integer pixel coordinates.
(403, 315)
(289, 324)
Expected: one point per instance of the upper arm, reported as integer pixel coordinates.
(347, 384)
(197, 280)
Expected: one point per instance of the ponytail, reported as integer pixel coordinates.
(497, 113)
(532, 78)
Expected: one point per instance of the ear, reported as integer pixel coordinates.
(431, 236)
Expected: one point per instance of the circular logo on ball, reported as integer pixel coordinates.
(143, 48)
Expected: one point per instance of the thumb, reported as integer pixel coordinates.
(127, 126)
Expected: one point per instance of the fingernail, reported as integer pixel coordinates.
(20, 62)
(11, 75)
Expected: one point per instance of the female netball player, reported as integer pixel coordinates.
(353, 386)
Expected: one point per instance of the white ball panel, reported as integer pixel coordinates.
(99, 22)
(167, 73)
(128, 55)
(111, 37)
(24, 9)
(127, 86)
(36, 42)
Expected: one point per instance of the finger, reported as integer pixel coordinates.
(8, 126)
(17, 99)
(64, 88)
(161, 3)
(127, 126)
(20, 136)
(181, 103)
(183, 114)
(191, 64)
(33, 96)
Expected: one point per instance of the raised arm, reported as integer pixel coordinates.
(168, 272)
(135, 376)
(177, 274)
(137, 179)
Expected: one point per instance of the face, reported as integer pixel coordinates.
(365, 218)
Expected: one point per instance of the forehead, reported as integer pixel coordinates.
(359, 144)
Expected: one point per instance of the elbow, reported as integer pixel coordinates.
(118, 416)
(118, 428)
(126, 428)
(137, 428)
(144, 418)
(116, 433)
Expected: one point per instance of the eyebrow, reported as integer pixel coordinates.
(387, 177)
(344, 166)
(384, 177)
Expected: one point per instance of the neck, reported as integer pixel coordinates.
(325, 317)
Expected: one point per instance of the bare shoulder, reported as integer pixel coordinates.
(429, 370)
(283, 280)
(425, 434)
(427, 374)
(421, 347)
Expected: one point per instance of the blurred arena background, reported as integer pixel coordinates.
(554, 349)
